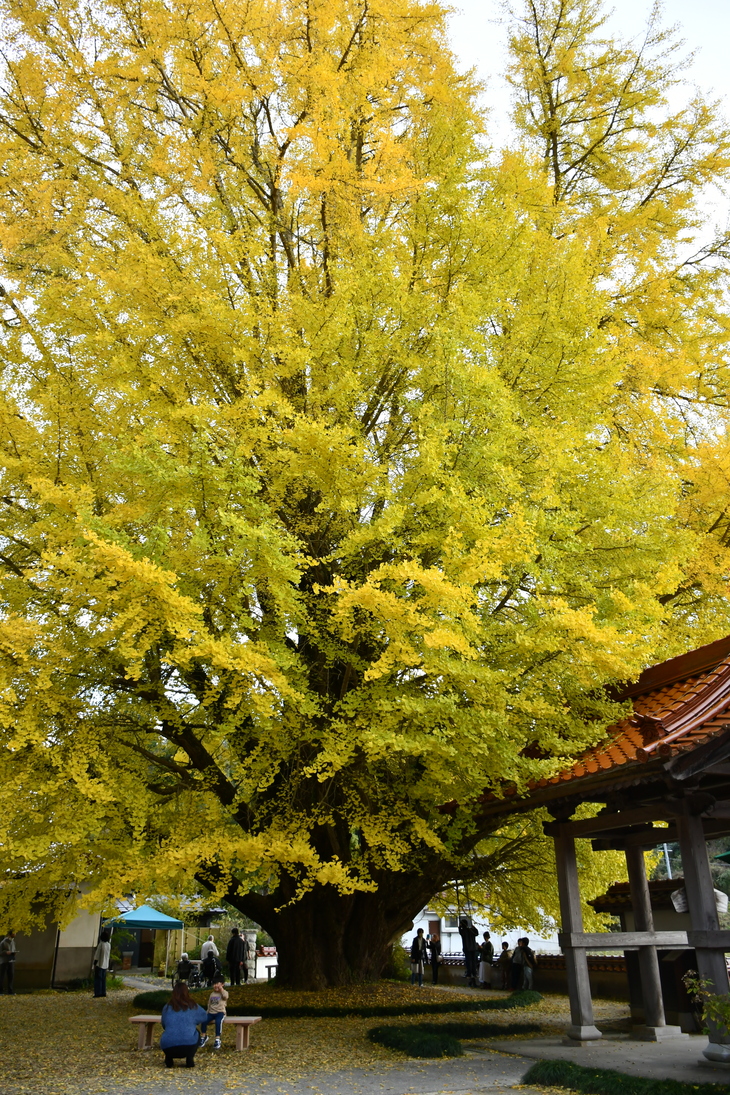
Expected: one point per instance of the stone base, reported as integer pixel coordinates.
(581, 1036)
(717, 1053)
(656, 1034)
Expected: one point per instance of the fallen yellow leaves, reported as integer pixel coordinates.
(69, 1043)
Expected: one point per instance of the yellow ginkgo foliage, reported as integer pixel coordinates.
(343, 456)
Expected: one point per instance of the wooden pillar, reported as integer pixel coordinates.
(655, 1025)
(703, 914)
(582, 1028)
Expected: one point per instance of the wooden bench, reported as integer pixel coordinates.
(242, 1023)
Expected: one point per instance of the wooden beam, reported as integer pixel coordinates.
(603, 822)
(650, 838)
(645, 838)
(721, 810)
(695, 761)
(719, 940)
(620, 940)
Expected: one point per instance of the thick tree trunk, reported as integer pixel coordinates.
(327, 939)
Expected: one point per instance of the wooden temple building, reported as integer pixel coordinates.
(668, 762)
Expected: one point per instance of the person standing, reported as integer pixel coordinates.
(504, 962)
(419, 958)
(486, 958)
(235, 955)
(246, 956)
(518, 961)
(528, 969)
(469, 934)
(208, 947)
(7, 962)
(102, 957)
(435, 949)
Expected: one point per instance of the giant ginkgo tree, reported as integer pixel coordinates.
(345, 459)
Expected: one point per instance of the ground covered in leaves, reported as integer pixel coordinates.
(69, 1043)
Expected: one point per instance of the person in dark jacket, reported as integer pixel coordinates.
(180, 1018)
(7, 961)
(184, 967)
(435, 949)
(211, 969)
(236, 954)
(469, 934)
(419, 958)
(505, 964)
(518, 965)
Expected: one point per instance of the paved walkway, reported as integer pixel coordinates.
(142, 985)
(483, 1074)
(673, 1059)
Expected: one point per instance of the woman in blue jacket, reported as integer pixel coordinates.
(180, 1018)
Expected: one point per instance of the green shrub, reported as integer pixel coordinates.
(604, 1081)
(466, 1031)
(416, 1042)
(157, 998)
(398, 966)
(440, 1039)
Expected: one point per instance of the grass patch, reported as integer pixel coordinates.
(442, 1039)
(416, 1042)
(82, 984)
(604, 1081)
(523, 999)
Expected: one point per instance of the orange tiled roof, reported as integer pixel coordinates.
(666, 721)
(618, 895)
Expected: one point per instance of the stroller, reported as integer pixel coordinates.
(211, 970)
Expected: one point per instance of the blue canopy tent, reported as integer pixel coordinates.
(147, 917)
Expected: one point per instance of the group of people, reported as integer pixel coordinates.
(238, 953)
(182, 1017)
(517, 967)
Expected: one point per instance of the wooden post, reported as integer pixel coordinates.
(703, 914)
(655, 1025)
(167, 950)
(582, 1028)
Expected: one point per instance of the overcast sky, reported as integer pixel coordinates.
(479, 40)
